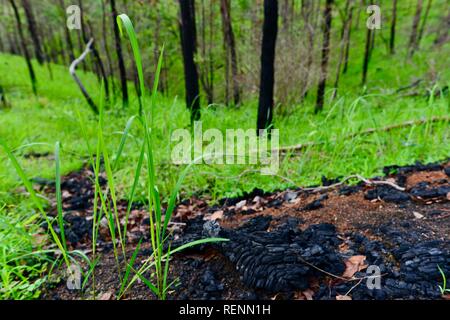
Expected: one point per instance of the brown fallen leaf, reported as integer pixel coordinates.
(105, 296)
(218, 215)
(339, 297)
(354, 264)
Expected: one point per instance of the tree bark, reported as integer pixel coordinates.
(67, 33)
(188, 46)
(347, 43)
(344, 40)
(367, 56)
(325, 55)
(122, 71)
(393, 25)
(266, 88)
(24, 47)
(413, 37)
(229, 38)
(33, 29)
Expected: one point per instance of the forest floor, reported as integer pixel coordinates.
(312, 243)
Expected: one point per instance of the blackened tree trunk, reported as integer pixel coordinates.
(367, 55)
(267, 82)
(325, 54)
(415, 25)
(33, 29)
(122, 72)
(230, 43)
(188, 46)
(393, 25)
(24, 47)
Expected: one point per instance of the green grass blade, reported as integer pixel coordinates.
(58, 195)
(35, 199)
(122, 141)
(129, 266)
(124, 21)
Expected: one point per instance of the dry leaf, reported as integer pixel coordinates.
(339, 297)
(241, 204)
(353, 265)
(105, 296)
(218, 215)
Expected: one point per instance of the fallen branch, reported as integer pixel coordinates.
(78, 81)
(410, 123)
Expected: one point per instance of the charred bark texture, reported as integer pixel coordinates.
(367, 55)
(267, 82)
(393, 26)
(188, 46)
(325, 55)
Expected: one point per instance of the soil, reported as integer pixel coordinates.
(291, 244)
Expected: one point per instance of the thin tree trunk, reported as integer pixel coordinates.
(24, 47)
(393, 25)
(413, 37)
(33, 29)
(188, 45)
(347, 42)
(307, 12)
(67, 33)
(267, 82)
(344, 40)
(424, 23)
(122, 71)
(225, 10)
(325, 55)
(366, 56)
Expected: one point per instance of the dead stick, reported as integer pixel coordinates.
(78, 81)
(410, 123)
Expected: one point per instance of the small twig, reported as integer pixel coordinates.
(78, 81)
(351, 289)
(336, 276)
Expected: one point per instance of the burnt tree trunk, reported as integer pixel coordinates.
(24, 47)
(122, 71)
(266, 87)
(188, 46)
(367, 55)
(325, 55)
(393, 25)
(415, 25)
(33, 29)
(230, 43)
